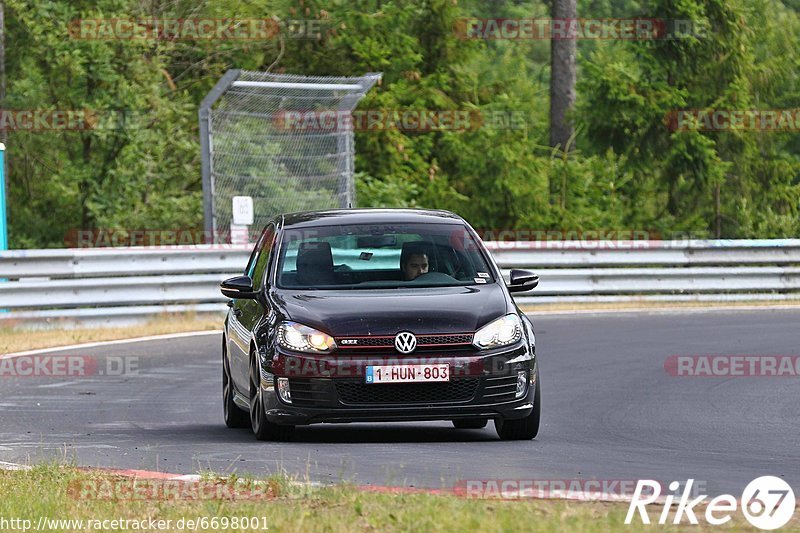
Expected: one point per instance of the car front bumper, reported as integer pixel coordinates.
(481, 386)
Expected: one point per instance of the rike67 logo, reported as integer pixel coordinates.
(767, 503)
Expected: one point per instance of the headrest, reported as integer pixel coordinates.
(314, 255)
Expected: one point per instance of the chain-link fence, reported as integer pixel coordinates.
(277, 138)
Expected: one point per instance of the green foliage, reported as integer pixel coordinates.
(140, 167)
(724, 183)
(135, 169)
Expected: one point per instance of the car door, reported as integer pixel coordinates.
(238, 337)
(251, 310)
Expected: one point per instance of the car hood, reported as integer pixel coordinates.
(387, 311)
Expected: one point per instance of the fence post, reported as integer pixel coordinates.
(206, 148)
(3, 219)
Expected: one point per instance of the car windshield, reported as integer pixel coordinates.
(369, 256)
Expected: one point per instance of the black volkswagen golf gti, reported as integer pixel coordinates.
(377, 315)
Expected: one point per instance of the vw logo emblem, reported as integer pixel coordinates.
(405, 342)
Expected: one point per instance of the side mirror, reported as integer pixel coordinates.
(238, 287)
(522, 280)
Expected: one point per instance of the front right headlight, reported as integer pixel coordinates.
(504, 331)
(301, 338)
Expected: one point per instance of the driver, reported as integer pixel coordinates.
(414, 265)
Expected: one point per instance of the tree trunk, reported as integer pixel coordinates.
(562, 77)
(3, 137)
(2, 65)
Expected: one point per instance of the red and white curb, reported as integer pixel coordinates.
(381, 489)
(139, 474)
(145, 474)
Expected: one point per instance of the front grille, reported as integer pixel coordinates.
(455, 340)
(464, 338)
(460, 390)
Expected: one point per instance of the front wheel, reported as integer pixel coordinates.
(234, 417)
(526, 428)
(262, 428)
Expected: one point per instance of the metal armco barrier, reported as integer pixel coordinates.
(124, 284)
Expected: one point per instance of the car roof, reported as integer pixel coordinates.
(337, 217)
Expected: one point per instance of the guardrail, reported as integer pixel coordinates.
(127, 284)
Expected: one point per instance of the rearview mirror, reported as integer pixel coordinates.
(377, 241)
(238, 287)
(522, 280)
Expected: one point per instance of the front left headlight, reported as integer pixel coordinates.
(501, 332)
(300, 338)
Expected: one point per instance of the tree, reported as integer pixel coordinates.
(724, 183)
(562, 77)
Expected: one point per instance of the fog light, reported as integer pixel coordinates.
(285, 393)
(522, 383)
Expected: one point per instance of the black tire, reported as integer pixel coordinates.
(470, 423)
(234, 416)
(525, 428)
(262, 428)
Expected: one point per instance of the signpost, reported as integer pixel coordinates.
(243, 216)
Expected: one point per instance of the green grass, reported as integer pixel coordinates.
(44, 491)
(18, 338)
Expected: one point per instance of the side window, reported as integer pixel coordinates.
(261, 263)
(251, 263)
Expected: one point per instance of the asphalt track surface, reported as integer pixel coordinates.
(610, 411)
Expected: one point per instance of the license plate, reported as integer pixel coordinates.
(408, 373)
